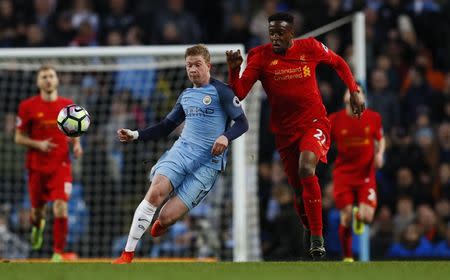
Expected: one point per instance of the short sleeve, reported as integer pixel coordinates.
(378, 126)
(177, 113)
(230, 102)
(23, 117)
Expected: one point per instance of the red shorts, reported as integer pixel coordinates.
(45, 187)
(316, 139)
(347, 193)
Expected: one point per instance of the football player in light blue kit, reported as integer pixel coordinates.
(194, 162)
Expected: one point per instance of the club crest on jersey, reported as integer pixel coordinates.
(207, 100)
(236, 102)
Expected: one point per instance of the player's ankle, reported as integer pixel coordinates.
(317, 238)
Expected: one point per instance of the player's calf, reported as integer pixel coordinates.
(158, 229)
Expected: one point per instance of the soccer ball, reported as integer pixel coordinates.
(73, 120)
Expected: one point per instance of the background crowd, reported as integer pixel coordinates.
(408, 70)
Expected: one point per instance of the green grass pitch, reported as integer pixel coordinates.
(229, 271)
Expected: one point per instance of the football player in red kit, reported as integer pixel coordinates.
(48, 163)
(286, 68)
(360, 146)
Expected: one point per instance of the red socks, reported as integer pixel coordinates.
(345, 236)
(312, 198)
(59, 234)
(301, 213)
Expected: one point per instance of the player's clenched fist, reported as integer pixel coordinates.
(357, 103)
(127, 135)
(234, 59)
(220, 145)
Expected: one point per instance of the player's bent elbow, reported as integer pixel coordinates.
(18, 138)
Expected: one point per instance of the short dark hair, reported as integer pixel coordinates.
(282, 17)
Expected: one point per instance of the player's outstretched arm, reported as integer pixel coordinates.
(127, 135)
(380, 146)
(45, 146)
(77, 149)
(163, 128)
(241, 86)
(357, 103)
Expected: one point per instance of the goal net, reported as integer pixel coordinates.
(130, 87)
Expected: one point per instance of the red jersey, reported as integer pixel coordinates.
(37, 118)
(354, 140)
(290, 82)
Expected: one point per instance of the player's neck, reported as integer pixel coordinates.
(49, 97)
(202, 83)
(348, 111)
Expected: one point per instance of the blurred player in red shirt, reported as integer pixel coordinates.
(286, 69)
(360, 146)
(48, 163)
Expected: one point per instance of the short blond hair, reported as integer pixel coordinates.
(199, 49)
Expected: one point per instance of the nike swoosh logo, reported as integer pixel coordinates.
(141, 227)
(141, 219)
(78, 110)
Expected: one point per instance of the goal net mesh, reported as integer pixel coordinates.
(110, 180)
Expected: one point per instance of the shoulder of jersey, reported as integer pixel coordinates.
(30, 100)
(372, 113)
(337, 114)
(214, 81)
(305, 42)
(67, 100)
(261, 49)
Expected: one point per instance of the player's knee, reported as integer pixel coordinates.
(60, 208)
(366, 218)
(37, 213)
(156, 196)
(346, 218)
(306, 169)
(166, 220)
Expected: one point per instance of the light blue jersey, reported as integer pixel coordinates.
(207, 112)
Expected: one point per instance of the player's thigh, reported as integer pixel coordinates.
(159, 189)
(60, 183)
(366, 212)
(367, 195)
(173, 210)
(37, 188)
(343, 194)
(290, 158)
(367, 198)
(346, 214)
(317, 140)
(196, 186)
(171, 165)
